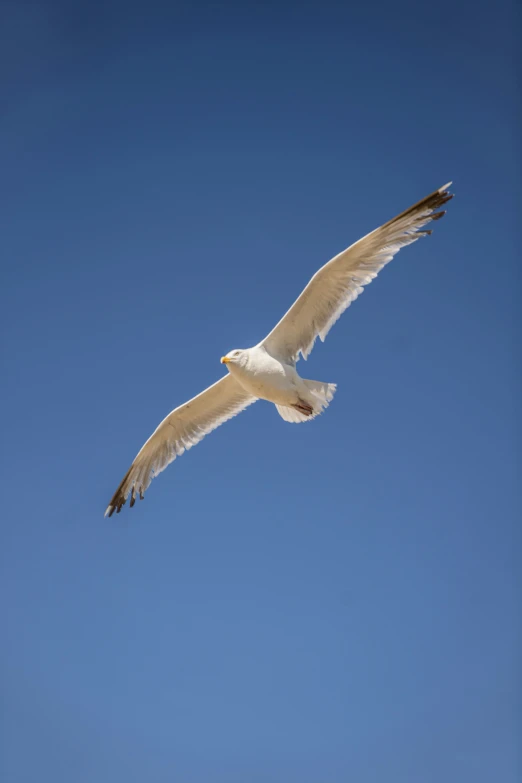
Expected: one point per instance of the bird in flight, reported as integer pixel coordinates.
(268, 370)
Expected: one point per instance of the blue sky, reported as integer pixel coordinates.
(331, 602)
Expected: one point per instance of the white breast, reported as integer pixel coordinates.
(267, 377)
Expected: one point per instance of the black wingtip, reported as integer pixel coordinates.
(428, 204)
(118, 500)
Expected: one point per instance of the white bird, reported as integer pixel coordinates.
(268, 370)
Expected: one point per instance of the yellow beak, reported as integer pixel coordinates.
(225, 360)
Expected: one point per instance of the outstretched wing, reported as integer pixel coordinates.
(339, 282)
(181, 430)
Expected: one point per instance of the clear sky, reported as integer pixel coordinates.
(323, 603)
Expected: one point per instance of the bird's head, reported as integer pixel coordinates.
(237, 357)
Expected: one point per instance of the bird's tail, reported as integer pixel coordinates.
(319, 396)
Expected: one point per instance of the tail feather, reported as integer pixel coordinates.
(320, 395)
(292, 415)
(323, 391)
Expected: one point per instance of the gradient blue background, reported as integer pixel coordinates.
(318, 604)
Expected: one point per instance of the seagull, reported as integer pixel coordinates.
(268, 370)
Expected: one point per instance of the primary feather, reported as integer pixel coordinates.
(180, 430)
(339, 282)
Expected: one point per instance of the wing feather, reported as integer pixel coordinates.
(339, 282)
(180, 430)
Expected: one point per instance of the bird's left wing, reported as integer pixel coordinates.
(339, 282)
(182, 428)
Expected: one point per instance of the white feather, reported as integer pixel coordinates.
(180, 430)
(339, 282)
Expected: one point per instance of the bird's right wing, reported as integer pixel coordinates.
(339, 282)
(181, 430)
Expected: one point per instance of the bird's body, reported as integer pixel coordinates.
(264, 376)
(269, 378)
(268, 370)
